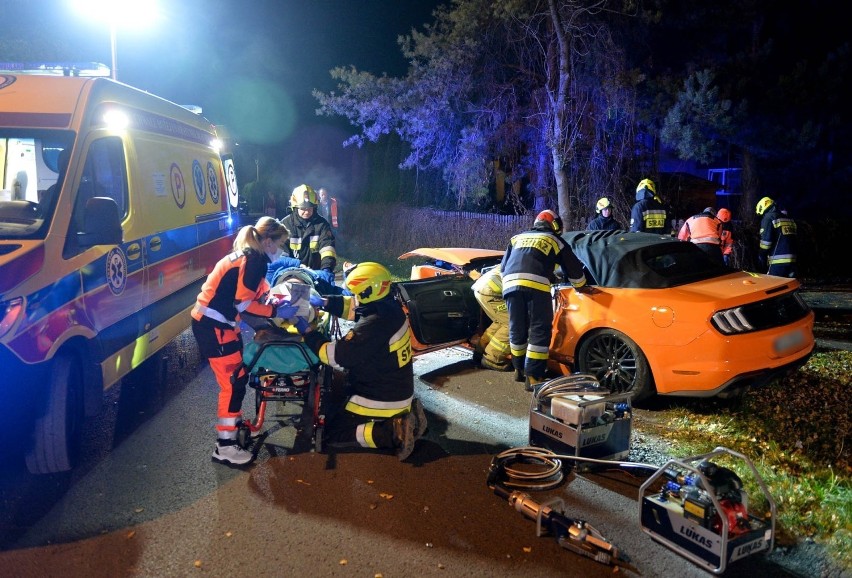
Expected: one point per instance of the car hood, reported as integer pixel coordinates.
(453, 255)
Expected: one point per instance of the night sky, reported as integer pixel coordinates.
(251, 64)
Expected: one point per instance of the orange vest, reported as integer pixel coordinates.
(701, 229)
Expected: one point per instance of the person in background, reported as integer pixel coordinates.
(270, 205)
(724, 215)
(236, 284)
(529, 267)
(311, 240)
(604, 220)
(492, 351)
(705, 231)
(777, 252)
(648, 215)
(379, 409)
(328, 208)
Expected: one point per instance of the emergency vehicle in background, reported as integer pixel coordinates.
(115, 204)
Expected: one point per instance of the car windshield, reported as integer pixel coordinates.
(641, 260)
(31, 173)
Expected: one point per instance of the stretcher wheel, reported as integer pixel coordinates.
(243, 436)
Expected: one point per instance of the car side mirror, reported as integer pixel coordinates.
(101, 223)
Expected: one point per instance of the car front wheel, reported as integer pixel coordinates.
(617, 362)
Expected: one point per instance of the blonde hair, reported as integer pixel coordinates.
(269, 228)
(253, 236)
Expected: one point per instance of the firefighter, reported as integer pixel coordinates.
(528, 268)
(312, 241)
(379, 409)
(724, 215)
(492, 351)
(777, 251)
(236, 284)
(648, 215)
(604, 221)
(705, 231)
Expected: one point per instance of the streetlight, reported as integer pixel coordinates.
(116, 13)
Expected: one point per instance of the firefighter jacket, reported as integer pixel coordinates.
(376, 351)
(649, 216)
(490, 284)
(702, 229)
(777, 237)
(311, 241)
(235, 285)
(601, 223)
(532, 257)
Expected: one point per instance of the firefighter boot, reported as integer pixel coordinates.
(419, 414)
(519, 375)
(403, 435)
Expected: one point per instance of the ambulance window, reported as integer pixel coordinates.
(104, 174)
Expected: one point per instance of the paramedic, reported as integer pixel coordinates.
(724, 215)
(379, 409)
(528, 267)
(236, 284)
(705, 231)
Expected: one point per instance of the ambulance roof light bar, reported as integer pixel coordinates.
(56, 68)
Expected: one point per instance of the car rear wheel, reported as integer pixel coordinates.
(617, 362)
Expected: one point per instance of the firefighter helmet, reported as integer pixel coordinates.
(603, 203)
(646, 189)
(724, 215)
(303, 197)
(551, 219)
(369, 282)
(763, 204)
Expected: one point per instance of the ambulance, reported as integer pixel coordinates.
(115, 204)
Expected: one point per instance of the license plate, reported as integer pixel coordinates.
(790, 341)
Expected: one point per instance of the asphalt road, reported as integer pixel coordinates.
(148, 500)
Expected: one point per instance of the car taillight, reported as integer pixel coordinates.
(10, 310)
(732, 321)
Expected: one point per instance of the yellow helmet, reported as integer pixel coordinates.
(646, 189)
(303, 197)
(763, 204)
(603, 203)
(369, 282)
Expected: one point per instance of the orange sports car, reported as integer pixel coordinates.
(662, 318)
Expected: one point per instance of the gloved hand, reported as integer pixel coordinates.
(284, 310)
(326, 275)
(302, 325)
(317, 301)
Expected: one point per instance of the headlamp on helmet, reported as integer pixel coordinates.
(303, 197)
(369, 282)
(646, 189)
(549, 218)
(603, 203)
(763, 204)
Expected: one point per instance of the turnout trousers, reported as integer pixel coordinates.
(530, 327)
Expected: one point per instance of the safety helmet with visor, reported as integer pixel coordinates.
(549, 218)
(369, 282)
(303, 197)
(603, 203)
(724, 215)
(763, 204)
(646, 189)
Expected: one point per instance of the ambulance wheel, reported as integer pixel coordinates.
(617, 362)
(58, 428)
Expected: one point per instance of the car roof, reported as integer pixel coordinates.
(460, 256)
(641, 260)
